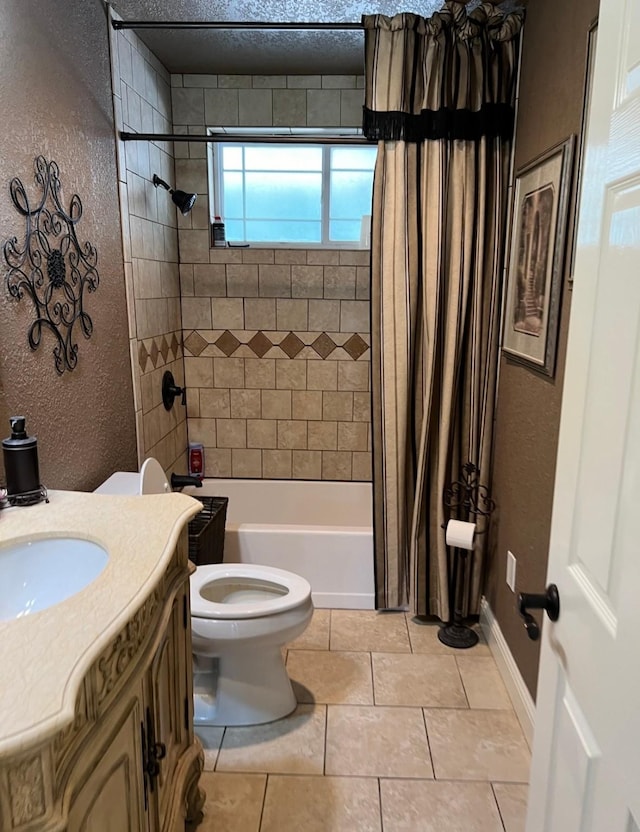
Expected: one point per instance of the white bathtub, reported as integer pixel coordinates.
(320, 530)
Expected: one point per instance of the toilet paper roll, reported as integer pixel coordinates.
(460, 534)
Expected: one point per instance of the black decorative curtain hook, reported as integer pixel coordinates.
(50, 266)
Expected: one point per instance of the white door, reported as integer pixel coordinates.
(586, 761)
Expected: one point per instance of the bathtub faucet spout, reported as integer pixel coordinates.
(180, 481)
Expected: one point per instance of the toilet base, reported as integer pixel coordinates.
(251, 687)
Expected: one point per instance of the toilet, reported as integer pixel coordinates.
(241, 617)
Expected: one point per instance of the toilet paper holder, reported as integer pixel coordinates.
(465, 498)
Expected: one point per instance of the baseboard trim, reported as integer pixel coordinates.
(523, 703)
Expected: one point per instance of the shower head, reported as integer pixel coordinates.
(182, 200)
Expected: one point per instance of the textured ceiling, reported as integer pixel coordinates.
(260, 52)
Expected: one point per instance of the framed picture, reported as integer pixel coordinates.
(536, 258)
(592, 38)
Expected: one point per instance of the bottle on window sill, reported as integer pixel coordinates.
(218, 237)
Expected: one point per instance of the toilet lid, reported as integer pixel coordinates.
(259, 590)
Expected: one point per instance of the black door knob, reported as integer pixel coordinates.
(549, 602)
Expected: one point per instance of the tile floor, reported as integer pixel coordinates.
(394, 732)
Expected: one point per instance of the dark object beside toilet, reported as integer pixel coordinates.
(206, 531)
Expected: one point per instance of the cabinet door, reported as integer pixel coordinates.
(112, 798)
(169, 703)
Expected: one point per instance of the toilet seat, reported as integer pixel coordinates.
(298, 590)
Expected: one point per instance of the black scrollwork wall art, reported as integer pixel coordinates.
(50, 266)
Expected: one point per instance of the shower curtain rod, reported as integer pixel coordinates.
(244, 137)
(229, 24)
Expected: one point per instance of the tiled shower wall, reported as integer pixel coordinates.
(276, 340)
(142, 103)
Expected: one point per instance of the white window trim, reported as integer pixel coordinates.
(256, 133)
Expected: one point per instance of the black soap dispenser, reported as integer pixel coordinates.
(21, 463)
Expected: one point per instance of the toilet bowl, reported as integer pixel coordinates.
(242, 615)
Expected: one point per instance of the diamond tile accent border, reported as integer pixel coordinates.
(163, 349)
(292, 345)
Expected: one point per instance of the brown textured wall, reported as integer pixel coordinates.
(528, 413)
(55, 98)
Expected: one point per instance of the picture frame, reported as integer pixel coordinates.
(592, 38)
(536, 256)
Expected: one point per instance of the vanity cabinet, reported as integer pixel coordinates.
(129, 761)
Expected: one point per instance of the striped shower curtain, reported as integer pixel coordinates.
(439, 100)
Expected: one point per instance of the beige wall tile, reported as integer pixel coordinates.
(354, 316)
(307, 465)
(307, 404)
(217, 462)
(246, 463)
(203, 430)
(322, 436)
(228, 372)
(186, 280)
(242, 281)
(275, 281)
(351, 102)
(276, 404)
(258, 255)
(227, 313)
(232, 433)
(188, 105)
(363, 283)
(338, 82)
(291, 374)
(205, 81)
(260, 373)
(276, 464)
(194, 246)
(255, 108)
(322, 375)
(260, 313)
(225, 255)
(336, 465)
(220, 108)
(292, 434)
(191, 175)
(362, 407)
(307, 281)
(322, 257)
(324, 315)
(337, 406)
(323, 108)
(289, 108)
(198, 372)
(246, 404)
(290, 255)
(352, 436)
(268, 82)
(236, 82)
(353, 375)
(262, 433)
(340, 282)
(291, 314)
(299, 82)
(355, 257)
(209, 280)
(214, 403)
(361, 466)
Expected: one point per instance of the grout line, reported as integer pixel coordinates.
(373, 681)
(379, 779)
(326, 731)
(466, 696)
(504, 826)
(426, 731)
(264, 800)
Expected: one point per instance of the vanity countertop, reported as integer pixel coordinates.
(44, 656)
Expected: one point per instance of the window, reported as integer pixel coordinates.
(300, 194)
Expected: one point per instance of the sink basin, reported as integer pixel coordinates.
(36, 574)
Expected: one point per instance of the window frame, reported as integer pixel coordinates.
(324, 137)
